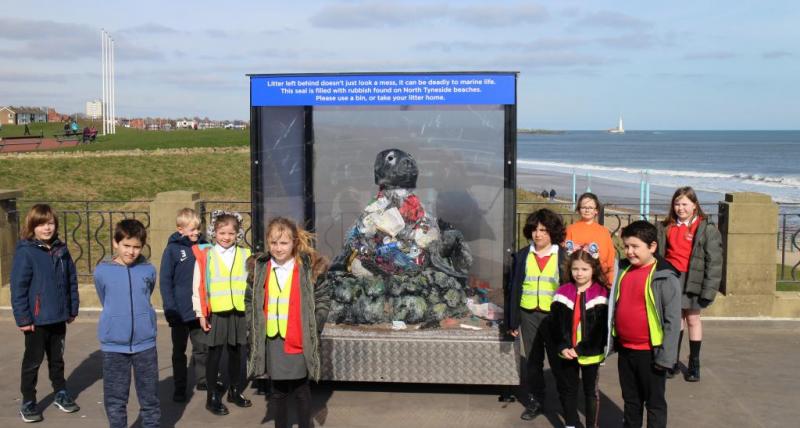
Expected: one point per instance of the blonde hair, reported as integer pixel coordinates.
(186, 217)
(302, 243)
(38, 214)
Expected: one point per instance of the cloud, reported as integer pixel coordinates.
(35, 77)
(380, 14)
(217, 34)
(615, 20)
(149, 28)
(776, 54)
(713, 55)
(56, 41)
(543, 44)
(638, 40)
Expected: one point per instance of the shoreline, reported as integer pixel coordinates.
(612, 193)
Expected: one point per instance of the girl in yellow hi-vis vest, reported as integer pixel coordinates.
(286, 310)
(220, 280)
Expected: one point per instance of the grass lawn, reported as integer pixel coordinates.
(787, 274)
(215, 175)
(129, 138)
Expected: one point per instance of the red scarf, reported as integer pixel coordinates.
(293, 343)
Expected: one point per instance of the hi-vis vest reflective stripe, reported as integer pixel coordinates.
(585, 360)
(539, 286)
(226, 287)
(278, 305)
(653, 323)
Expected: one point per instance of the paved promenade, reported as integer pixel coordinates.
(750, 378)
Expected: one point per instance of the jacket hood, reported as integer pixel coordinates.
(663, 267)
(35, 243)
(109, 260)
(177, 238)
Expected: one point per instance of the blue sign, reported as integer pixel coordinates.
(387, 89)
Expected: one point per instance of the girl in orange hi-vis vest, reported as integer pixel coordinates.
(286, 311)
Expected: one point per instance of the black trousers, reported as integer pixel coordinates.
(181, 334)
(643, 385)
(568, 392)
(282, 390)
(44, 340)
(536, 341)
(234, 366)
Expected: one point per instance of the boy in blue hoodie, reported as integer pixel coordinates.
(177, 270)
(127, 328)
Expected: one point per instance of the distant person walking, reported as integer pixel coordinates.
(27, 130)
(694, 248)
(552, 195)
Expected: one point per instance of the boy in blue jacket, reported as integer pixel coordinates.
(177, 270)
(44, 298)
(127, 328)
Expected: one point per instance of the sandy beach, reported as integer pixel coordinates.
(611, 192)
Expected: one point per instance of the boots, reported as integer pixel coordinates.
(214, 404)
(532, 409)
(238, 398)
(693, 372)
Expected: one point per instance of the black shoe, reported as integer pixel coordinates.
(179, 396)
(261, 386)
(29, 412)
(214, 404)
(671, 372)
(532, 410)
(201, 386)
(693, 372)
(65, 403)
(238, 398)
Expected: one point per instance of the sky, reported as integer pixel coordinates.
(662, 65)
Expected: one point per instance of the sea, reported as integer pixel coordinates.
(713, 162)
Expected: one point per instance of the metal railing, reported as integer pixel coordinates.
(87, 227)
(617, 216)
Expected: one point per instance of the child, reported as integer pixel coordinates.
(219, 283)
(587, 230)
(535, 277)
(694, 248)
(645, 325)
(127, 327)
(177, 272)
(286, 312)
(44, 299)
(580, 327)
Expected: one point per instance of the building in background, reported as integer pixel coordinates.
(94, 109)
(26, 115)
(8, 116)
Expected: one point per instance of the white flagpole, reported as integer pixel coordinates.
(103, 76)
(113, 93)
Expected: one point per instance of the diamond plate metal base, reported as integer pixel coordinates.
(452, 356)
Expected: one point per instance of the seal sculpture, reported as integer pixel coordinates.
(398, 262)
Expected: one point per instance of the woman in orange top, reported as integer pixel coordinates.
(587, 231)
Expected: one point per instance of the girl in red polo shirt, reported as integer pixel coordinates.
(694, 247)
(286, 308)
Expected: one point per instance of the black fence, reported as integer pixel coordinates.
(87, 227)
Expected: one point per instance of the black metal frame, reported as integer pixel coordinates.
(257, 195)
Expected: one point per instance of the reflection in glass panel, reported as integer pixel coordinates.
(459, 151)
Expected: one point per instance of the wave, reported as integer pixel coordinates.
(783, 189)
(791, 181)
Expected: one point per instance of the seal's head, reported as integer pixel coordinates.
(395, 169)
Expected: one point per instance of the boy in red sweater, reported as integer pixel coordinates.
(645, 326)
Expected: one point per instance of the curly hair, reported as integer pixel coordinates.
(550, 220)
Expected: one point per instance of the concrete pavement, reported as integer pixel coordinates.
(750, 378)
